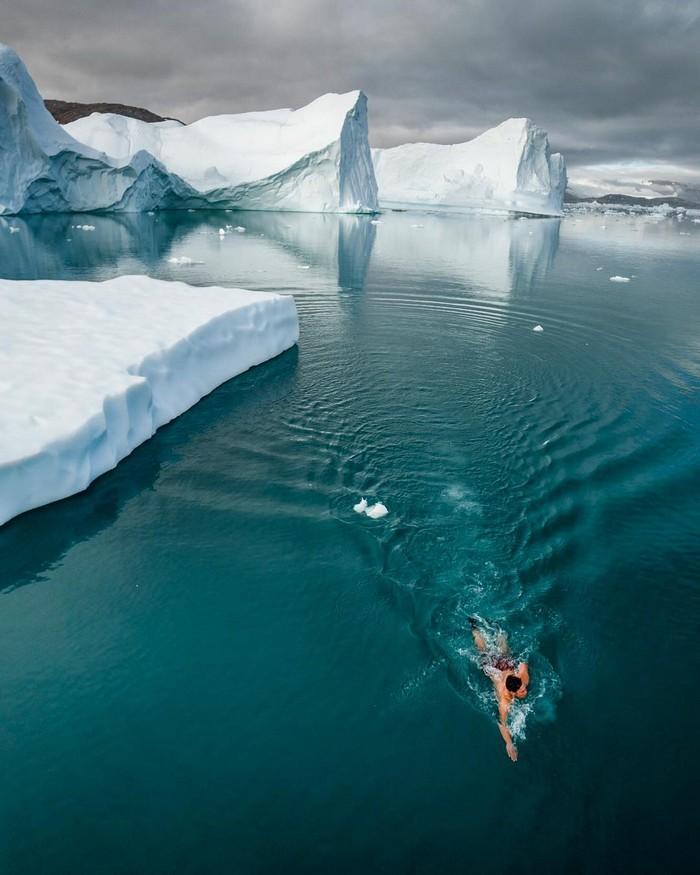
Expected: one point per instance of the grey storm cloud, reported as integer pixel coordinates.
(609, 81)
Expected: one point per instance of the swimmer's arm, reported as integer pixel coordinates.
(503, 708)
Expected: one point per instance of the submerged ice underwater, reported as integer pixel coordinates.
(210, 660)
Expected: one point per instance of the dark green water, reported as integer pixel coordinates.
(210, 664)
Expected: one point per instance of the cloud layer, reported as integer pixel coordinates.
(611, 82)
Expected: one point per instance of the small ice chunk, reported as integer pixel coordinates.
(190, 211)
(240, 229)
(599, 268)
(14, 229)
(222, 232)
(151, 213)
(376, 511)
(619, 279)
(538, 328)
(416, 226)
(304, 266)
(361, 506)
(684, 233)
(376, 222)
(183, 260)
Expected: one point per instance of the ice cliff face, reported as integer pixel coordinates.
(315, 159)
(508, 168)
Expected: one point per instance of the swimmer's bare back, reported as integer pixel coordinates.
(510, 680)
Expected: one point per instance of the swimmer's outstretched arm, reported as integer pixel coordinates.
(503, 708)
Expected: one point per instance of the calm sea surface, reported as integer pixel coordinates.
(210, 664)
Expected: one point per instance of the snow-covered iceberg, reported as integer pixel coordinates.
(88, 371)
(44, 169)
(313, 159)
(508, 169)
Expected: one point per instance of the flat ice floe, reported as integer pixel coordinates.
(88, 371)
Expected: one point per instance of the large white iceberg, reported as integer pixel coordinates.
(88, 371)
(507, 169)
(313, 159)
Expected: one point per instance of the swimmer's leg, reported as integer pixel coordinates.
(502, 643)
(479, 639)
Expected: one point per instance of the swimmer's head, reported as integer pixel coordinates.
(515, 685)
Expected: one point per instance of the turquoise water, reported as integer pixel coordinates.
(209, 663)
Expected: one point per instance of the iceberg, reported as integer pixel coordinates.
(88, 371)
(314, 159)
(507, 169)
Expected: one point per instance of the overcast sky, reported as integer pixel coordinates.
(612, 81)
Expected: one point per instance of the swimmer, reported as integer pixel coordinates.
(510, 679)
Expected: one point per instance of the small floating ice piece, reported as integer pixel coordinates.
(416, 226)
(304, 266)
(619, 279)
(183, 260)
(240, 229)
(222, 232)
(538, 328)
(376, 222)
(361, 506)
(599, 268)
(85, 227)
(376, 511)
(151, 213)
(14, 229)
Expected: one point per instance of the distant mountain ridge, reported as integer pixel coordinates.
(629, 200)
(66, 111)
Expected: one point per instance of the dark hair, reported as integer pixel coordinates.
(513, 683)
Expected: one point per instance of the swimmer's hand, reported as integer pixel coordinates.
(512, 751)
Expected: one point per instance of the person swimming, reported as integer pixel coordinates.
(510, 679)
